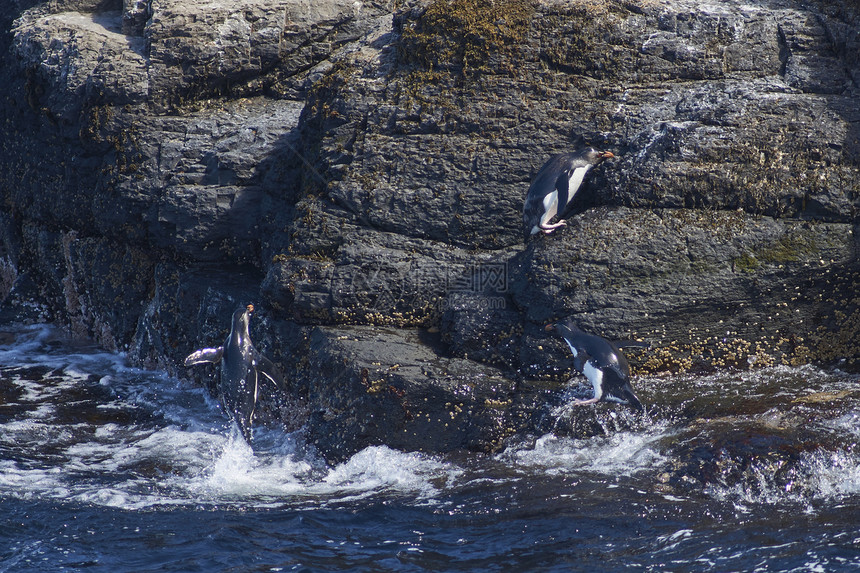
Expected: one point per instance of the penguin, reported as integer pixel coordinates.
(242, 370)
(553, 189)
(601, 362)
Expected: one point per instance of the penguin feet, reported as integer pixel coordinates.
(584, 402)
(547, 229)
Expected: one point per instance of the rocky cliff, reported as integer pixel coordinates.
(357, 170)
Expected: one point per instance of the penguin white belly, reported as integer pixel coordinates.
(575, 181)
(550, 207)
(595, 376)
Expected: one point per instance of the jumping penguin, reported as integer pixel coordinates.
(553, 189)
(242, 369)
(602, 364)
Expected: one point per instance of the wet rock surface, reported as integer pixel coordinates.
(380, 386)
(357, 170)
(762, 434)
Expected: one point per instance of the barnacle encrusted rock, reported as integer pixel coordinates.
(357, 170)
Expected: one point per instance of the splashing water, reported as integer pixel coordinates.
(135, 439)
(111, 467)
(622, 453)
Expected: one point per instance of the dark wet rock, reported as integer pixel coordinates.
(21, 303)
(209, 49)
(357, 170)
(376, 385)
(695, 101)
(376, 278)
(694, 284)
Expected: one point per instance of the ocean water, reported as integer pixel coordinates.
(106, 467)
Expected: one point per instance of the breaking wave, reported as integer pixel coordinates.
(100, 432)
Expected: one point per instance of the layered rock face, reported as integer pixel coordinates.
(358, 169)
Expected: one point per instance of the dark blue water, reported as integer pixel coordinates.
(104, 467)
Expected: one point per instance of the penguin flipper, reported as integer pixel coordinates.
(205, 355)
(562, 185)
(561, 198)
(532, 210)
(270, 373)
(580, 360)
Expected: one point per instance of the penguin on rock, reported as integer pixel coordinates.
(601, 362)
(554, 187)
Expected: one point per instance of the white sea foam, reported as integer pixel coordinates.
(848, 423)
(175, 467)
(672, 541)
(620, 453)
(158, 442)
(236, 472)
(832, 475)
(28, 483)
(183, 452)
(820, 476)
(382, 469)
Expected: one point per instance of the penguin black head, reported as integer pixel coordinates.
(594, 157)
(565, 328)
(243, 313)
(242, 319)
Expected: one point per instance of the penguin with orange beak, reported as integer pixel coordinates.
(243, 369)
(601, 362)
(554, 187)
